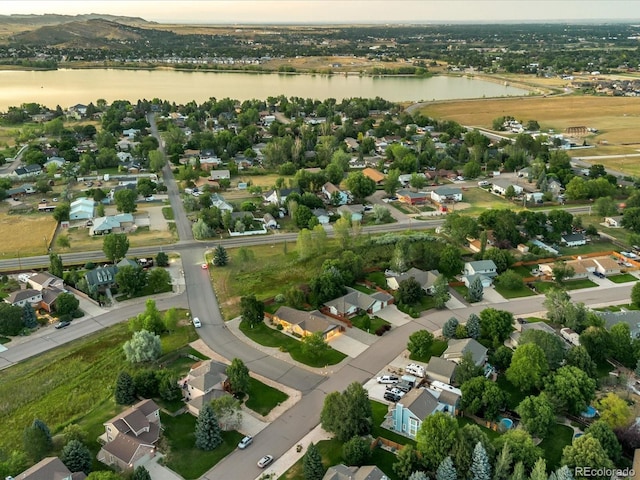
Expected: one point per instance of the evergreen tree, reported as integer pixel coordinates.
(208, 434)
(406, 462)
(503, 464)
(518, 472)
(141, 473)
(564, 473)
(637, 371)
(77, 457)
(539, 471)
(476, 290)
(449, 328)
(220, 256)
(36, 440)
(418, 476)
(480, 467)
(446, 470)
(312, 464)
(473, 326)
(125, 393)
(29, 316)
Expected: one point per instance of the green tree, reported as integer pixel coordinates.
(419, 344)
(220, 256)
(476, 290)
(407, 461)
(76, 457)
(450, 262)
(168, 387)
(67, 304)
(141, 473)
(481, 396)
(466, 369)
(614, 411)
(518, 472)
(238, 376)
(418, 475)
(528, 367)
(441, 293)
(571, 389)
(522, 447)
(115, 246)
(73, 431)
(312, 463)
(503, 464)
(29, 317)
(304, 244)
(551, 344)
(537, 415)
(162, 259)
(103, 475)
(586, 451)
(302, 215)
(36, 440)
(436, 437)
(11, 322)
(158, 280)
(55, 265)
(605, 206)
(392, 182)
(228, 412)
(144, 346)
(510, 280)
(314, 345)
(496, 324)
(347, 414)
(597, 342)
(201, 230)
(501, 358)
(607, 438)
(251, 310)
(449, 328)
(480, 466)
(473, 326)
(409, 292)
(61, 212)
(579, 357)
(446, 470)
(125, 391)
(356, 451)
(342, 231)
(125, 200)
(539, 471)
(360, 185)
(561, 272)
(208, 435)
(635, 294)
(131, 280)
(468, 437)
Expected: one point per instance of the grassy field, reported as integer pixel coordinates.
(182, 456)
(480, 200)
(591, 247)
(615, 117)
(269, 337)
(81, 241)
(559, 437)
(263, 398)
(26, 235)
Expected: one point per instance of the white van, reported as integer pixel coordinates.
(483, 183)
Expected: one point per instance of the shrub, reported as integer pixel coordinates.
(382, 330)
(65, 318)
(89, 266)
(280, 327)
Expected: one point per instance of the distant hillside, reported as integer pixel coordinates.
(53, 19)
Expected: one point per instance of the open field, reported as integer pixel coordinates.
(81, 241)
(616, 118)
(477, 200)
(26, 235)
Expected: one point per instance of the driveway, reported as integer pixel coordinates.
(160, 472)
(348, 345)
(491, 296)
(394, 316)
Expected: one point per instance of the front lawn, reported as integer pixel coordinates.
(360, 321)
(331, 452)
(544, 287)
(145, 292)
(182, 455)
(623, 278)
(167, 213)
(379, 411)
(523, 291)
(559, 437)
(437, 348)
(263, 398)
(269, 337)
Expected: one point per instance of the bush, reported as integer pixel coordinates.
(65, 318)
(280, 327)
(42, 321)
(77, 314)
(383, 329)
(89, 266)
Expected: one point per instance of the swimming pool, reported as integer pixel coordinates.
(506, 423)
(590, 412)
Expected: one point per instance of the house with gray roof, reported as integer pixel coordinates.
(411, 410)
(82, 209)
(130, 438)
(514, 339)
(365, 472)
(355, 301)
(426, 279)
(49, 468)
(630, 317)
(119, 223)
(485, 269)
(354, 212)
(500, 186)
(206, 381)
(101, 278)
(446, 194)
(27, 170)
(306, 323)
(457, 348)
(20, 298)
(322, 215)
(441, 370)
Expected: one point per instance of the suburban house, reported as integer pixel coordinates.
(411, 410)
(122, 186)
(305, 323)
(486, 269)
(352, 144)
(43, 280)
(322, 215)
(405, 178)
(446, 194)
(57, 161)
(354, 212)
(329, 190)
(374, 175)
(220, 175)
(574, 240)
(49, 297)
(101, 278)
(129, 439)
(127, 262)
(536, 197)
(278, 197)
(425, 279)
(82, 209)
(630, 317)
(441, 370)
(355, 301)
(27, 171)
(20, 298)
(614, 222)
(501, 186)
(269, 221)
(49, 468)
(457, 348)
(514, 339)
(205, 381)
(582, 267)
(219, 202)
(570, 336)
(122, 222)
(412, 198)
(209, 163)
(365, 472)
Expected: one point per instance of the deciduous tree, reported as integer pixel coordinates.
(420, 343)
(436, 437)
(522, 447)
(406, 461)
(496, 324)
(158, 279)
(115, 246)
(238, 376)
(131, 280)
(228, 412)
(572, 389)
(251, 310)
(528, 367)
(586, 451)
(550, 343)
(441, 293)
(55, 265)
(36, 440)
(347, 414)
(356, 451)
(314, 345)
(144, 346)
(537, 415)
(614, 411)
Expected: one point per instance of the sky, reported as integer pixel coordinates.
(339, 11)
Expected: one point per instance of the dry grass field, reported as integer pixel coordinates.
(81, 241)
(615, 118)
(26, 235)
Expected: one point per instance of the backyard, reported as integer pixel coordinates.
(559, 437)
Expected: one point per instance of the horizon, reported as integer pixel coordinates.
(359, 12)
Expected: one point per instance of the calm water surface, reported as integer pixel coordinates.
(69, 87)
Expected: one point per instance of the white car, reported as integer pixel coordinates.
(196, 322)
(245, 442)
(264, 461)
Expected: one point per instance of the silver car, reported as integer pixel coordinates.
(265, 461)
(245, 442)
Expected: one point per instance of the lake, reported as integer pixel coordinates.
(68, 87)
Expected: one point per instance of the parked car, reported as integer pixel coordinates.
(388, 379)
(397, 392)
(265, 461)
(392, 397)
(63, 324)
(150, 198)
(245, 442)
(403, 386)
(196, 322)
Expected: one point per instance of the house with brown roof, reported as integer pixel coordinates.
(374, 175)
(205, 381)
(306, 323)
(49, 468)
(130, 437)
(457, 349)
